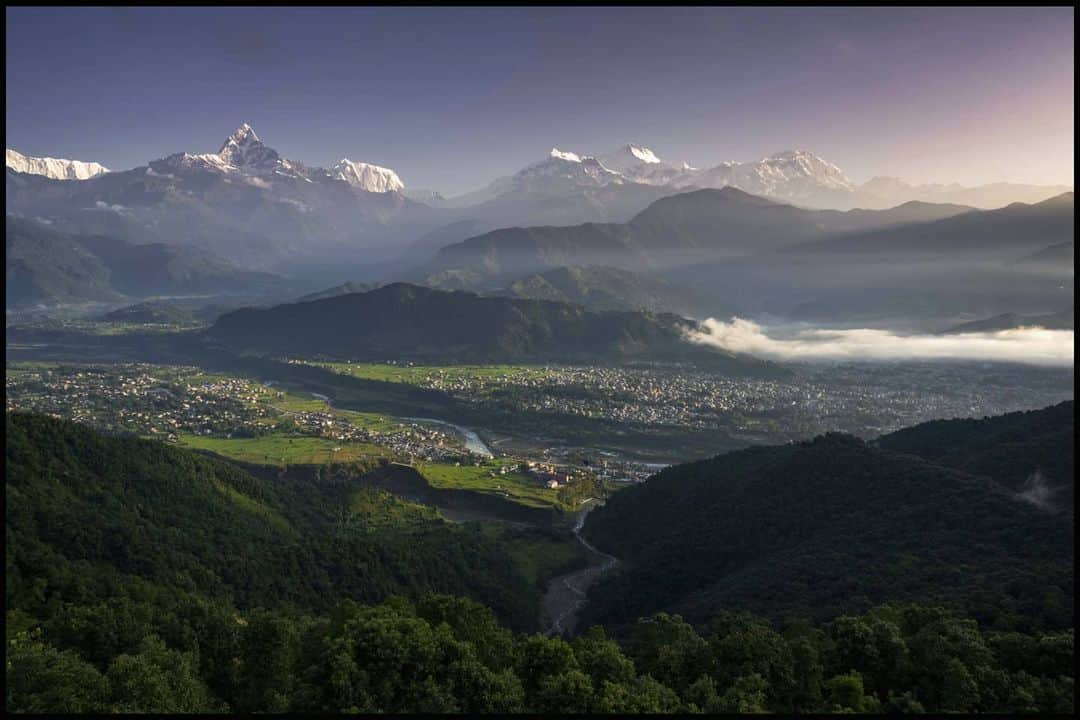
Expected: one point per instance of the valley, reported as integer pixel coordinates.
(539, 360)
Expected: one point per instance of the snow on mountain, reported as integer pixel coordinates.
(797, 176)
(567, 156)
(244, 150)
(560, 172)
(55, 168)
(642, 165)
(366, 176)
(630, 157)
(245, 154)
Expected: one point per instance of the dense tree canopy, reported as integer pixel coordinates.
(827, 527)
(142, 578)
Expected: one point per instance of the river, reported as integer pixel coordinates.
(473, 442)
(567, 594)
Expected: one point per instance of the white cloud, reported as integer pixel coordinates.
(1035, 346)
(101, 205)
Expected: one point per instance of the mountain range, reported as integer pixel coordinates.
(678, 229)
(797, 177)
(736, 253)
(249, 204)
(752, 250)
(54, 168)
(245, 203)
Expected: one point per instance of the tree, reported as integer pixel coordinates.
(159, 680)
(846, 691)
(540, 657)
(269, 645)
(602, 659)
(746, 695)
(566, 692)
(667, 648)
(42, 679)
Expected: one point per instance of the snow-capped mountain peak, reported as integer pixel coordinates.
(797, 176)
(632, 159)
(244, 153)
(244, 133)
(366, 176)
(643, 154)
(55, 168)
(244, 149)
(805, 164)
(567, 156)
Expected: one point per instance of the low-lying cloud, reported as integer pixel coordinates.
(1034, 346)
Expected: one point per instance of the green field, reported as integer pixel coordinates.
(422, 374)
(297, 403)
(278, 449)
(513, 485)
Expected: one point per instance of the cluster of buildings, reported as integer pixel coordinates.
(143, 399)
(548, 474)
(168, 401)
(862, 399)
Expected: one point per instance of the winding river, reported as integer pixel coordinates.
(567, 594)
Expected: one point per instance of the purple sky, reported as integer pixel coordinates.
(454, 98)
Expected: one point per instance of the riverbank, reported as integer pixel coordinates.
(567, 594)
(473, 443)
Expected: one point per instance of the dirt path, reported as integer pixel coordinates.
(567, 594)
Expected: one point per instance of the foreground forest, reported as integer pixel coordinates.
(836, 525)
(146, 578)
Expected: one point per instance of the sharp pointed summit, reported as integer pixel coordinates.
(244, 149)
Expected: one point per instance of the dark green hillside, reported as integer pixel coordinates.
(84, 511)
(419, 323)
(1008, 448)
(142, 578)
(830, 526)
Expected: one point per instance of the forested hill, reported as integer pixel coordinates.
(415, 322)
(1028, 452)
(830, 526)
(141, 578)
(86, 512)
